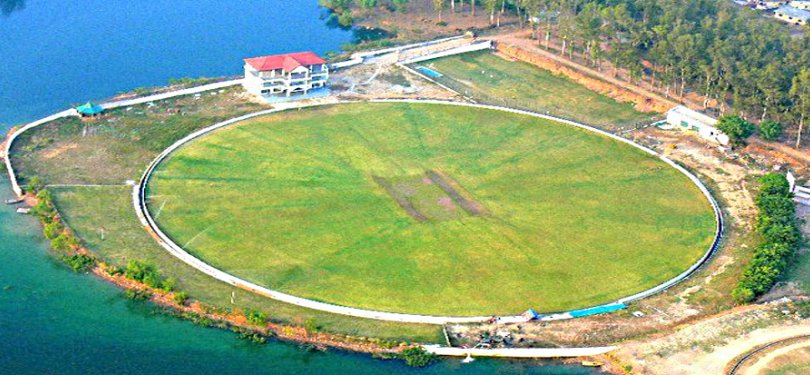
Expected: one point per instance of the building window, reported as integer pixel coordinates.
(684, 124)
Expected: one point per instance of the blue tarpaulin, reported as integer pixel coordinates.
(598, 310)
(90, 109)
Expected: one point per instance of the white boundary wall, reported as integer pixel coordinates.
(477, 46)
(108, 105)
(520, 352)
(139, 201)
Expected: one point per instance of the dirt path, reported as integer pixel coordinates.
(760, 364)
(707, 346)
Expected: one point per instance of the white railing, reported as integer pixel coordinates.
(143, 214)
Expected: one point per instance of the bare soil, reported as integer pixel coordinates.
(421, 21)
(449, 186)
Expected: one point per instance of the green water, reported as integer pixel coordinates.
(55, 321)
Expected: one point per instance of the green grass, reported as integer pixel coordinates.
(117, 147)
(491, 79)
(108, 212)
(572, 219)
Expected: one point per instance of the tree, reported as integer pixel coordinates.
(417, 356)
(367, 4)
(770, 130)
(800, 94)
(736, 128)
(401, 5)
(438, 6)
(774, 184)
(491, 6)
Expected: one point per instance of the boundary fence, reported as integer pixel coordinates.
(139, 202)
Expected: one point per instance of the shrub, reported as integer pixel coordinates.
(777, 224)
(180, 298)
(35, 184)
(736, 128)
(52, 229)
(169, 284)
(62, 242)
(417, 357)
(138, 294)
(311, 326)
(773, 184)
(345, 18)
(742, 295)
(256, 317)
(770, 130)
(44, 212)
(79, 262)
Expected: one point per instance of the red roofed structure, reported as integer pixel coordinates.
(286, 74)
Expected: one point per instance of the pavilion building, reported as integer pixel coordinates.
(286, 74)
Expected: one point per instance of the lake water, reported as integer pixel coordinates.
(56, 52)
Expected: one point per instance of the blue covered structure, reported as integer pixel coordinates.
(89, 109)
(598, 310)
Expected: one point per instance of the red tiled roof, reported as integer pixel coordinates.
(287, 61)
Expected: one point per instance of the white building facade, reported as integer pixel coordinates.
(800, 4)
(689, 120)
(285, 75)
(793, 16)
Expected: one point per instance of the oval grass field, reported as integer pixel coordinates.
(431, 209)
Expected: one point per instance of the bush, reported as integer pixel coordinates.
(777, 224)
(770, 130)
(736, 128)
(169, 284)
(44, 212)
(148, 274)
(138, 294)
(180, 298)
(35, 184)
(417, 357)
(52, 229)
(79, 262)
(773, 184)
(62, 242)
(742, 295)
(311, 326)
(256, 317)
(345, 19)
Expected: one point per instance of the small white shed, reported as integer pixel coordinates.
(689, 120)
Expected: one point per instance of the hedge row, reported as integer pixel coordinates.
(779, 228)
(63, 242)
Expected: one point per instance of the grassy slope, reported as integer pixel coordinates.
(108, 210)
(491, 79)
(577, 219)
(119, 146)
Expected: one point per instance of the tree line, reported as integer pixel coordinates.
(738, 61)
(779, 228)
(749, 65)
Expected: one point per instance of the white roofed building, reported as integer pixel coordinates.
(689, 120)
(793, 16)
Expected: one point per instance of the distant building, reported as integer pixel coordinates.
(770, 4)
(792, 15)
(287, 74)
(686, 119)
(800, 4)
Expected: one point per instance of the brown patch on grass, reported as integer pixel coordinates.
(453, 189)
(56, 151)
(400, 198)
